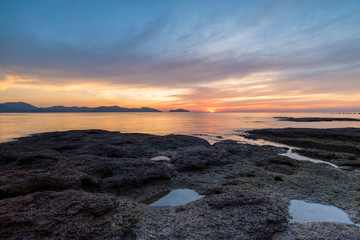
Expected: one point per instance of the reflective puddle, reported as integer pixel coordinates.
(313, 212)
(290, 153)
(160, 158)
(296, 156)
(173, 198)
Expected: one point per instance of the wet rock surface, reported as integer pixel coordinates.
(340, 146)
(62, 215)
(321, 230)
(234, 214)
(90, 185)
(316, 119)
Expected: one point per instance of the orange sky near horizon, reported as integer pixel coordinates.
(200, 55)
(217, 96)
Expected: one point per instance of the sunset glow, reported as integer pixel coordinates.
(213, 57)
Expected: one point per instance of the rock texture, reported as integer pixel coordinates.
(61, 215)
(92, 184)
(340, 146)
(316, 119)
(233, 214)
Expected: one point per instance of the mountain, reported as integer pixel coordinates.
(16, 107)
(179, 110)
(11, 107)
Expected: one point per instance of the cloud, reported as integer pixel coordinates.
(231, 51)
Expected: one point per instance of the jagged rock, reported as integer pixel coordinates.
(59, 185)
(234, 214)
(199, 158)
(68, 214)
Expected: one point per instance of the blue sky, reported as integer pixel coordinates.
(223, 55)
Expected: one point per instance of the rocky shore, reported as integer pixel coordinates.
(92, 184)
(316, 119)
(340, 146)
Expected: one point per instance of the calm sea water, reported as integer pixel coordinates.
(209, 125)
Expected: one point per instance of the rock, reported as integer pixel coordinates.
(20, 182)
(116, 175)
(340, 146)
(93, 160)
(235, 148)
(234, 214)
(237, 198)
(60, 185)
(320, 230)
(68, 214)
(200, 157)
(316, 119)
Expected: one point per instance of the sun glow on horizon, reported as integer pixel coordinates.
(214, 98)
(167, 56)
(211, 109)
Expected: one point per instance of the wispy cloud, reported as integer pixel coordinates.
(225, 53)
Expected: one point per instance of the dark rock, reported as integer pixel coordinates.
(58, 185)
(62, 215)
(94, 160)
(200, 157)
(235, 148)
(234, 214)
(20, 182)
(237, 198)
(278, 179)
(339, 146)
(116, 175)
(316, 119)
(319, 230)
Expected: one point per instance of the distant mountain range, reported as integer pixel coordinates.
(21, 107)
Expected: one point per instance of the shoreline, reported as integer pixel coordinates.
(105, 176)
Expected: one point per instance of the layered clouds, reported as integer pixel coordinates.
(202, 55)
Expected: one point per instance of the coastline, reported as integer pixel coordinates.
(95, 181)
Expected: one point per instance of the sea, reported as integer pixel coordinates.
(210, 126)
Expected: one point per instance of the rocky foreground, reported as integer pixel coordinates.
(340, 146)
(91, 185)
(316, 119)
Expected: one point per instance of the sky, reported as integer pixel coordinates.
(201, 55)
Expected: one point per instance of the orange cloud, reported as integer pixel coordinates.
(255, 92)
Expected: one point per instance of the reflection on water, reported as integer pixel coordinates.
(296, 156)
(313, 212)
(174, 198)
(160, 158)
(14, 125)
(208, 126)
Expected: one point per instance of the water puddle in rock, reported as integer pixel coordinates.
(290, 153)
(313, 212)
(296, 156)
(173, 198)
(240, 137)
(160, 158)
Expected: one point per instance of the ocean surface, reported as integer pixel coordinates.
(205, 125)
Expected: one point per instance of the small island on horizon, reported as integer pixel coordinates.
(179, 110)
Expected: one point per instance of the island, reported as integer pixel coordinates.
(179, 110)
(96, 184)
(21, 107)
